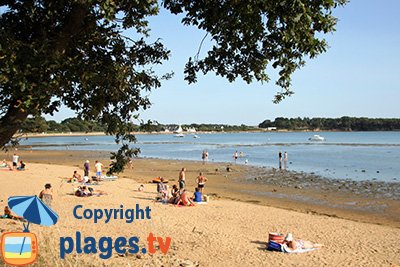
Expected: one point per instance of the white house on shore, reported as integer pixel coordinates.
(178, 130)
(190, 130)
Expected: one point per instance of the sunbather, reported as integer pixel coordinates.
(5, 165)
(292, 244)
(184, 199)
(85, 191)
(8, 214)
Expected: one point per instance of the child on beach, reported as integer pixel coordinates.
(21, 166)
(197, 197)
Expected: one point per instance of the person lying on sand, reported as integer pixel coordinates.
(184, 199)
(292, 244)
(85, 191)
(8, 214)
(5, 165)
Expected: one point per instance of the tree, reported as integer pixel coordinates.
(34, 125)
(75, 53)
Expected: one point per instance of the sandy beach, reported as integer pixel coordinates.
(231, 230)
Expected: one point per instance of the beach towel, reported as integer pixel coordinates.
(298, 250)
(274, 246)
(108, 178)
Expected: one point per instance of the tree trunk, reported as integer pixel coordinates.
(11, 122)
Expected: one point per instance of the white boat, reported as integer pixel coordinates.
(196, 136)
(316, 137)
(180, 135)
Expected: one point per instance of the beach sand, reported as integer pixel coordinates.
(223, 232)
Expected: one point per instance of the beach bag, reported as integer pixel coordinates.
(273, 246)
(276, 237)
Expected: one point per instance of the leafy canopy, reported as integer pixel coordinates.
(75, 53)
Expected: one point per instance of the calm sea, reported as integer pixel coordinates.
(345, 155)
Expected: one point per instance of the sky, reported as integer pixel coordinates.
(357, 76)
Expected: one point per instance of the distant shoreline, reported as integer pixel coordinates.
(42, 135)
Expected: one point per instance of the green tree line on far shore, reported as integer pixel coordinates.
(40, 125)
(333, 124)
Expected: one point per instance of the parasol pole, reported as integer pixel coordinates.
(26, 230)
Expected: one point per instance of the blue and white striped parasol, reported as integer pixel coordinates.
(33, 210)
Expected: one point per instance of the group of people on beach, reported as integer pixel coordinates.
(17, 164)
(76, 177)
(180, 196)
(87, 191)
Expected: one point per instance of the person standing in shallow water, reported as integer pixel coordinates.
(285, 160)
(280, 159)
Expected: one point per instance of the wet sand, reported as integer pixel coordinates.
(370, 201)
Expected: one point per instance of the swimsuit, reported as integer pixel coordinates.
(300, 243)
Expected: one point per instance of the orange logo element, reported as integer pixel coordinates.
(19, 248)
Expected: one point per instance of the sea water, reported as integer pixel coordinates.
(343, 155)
